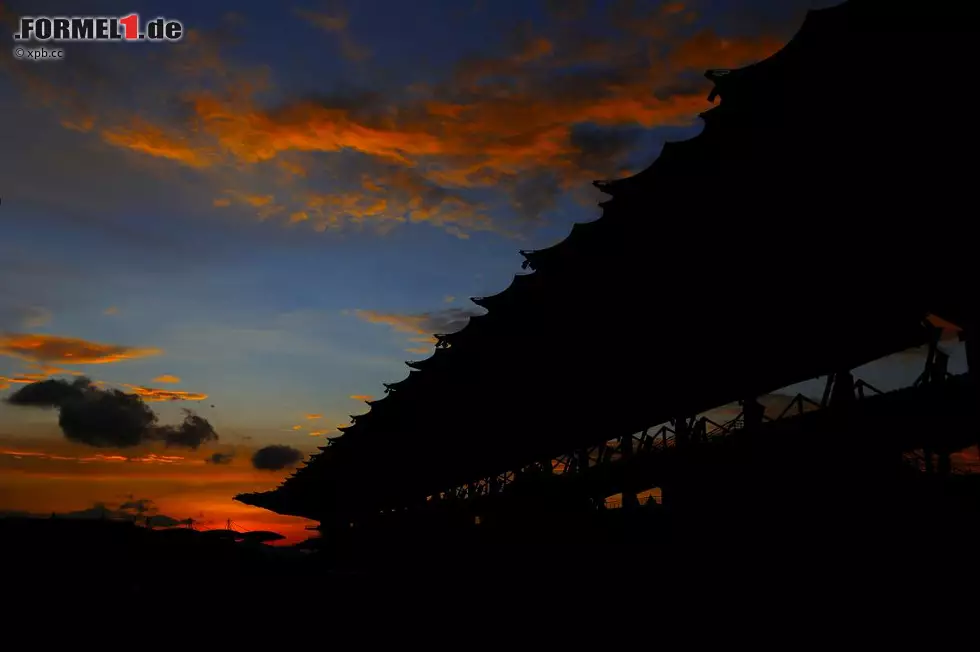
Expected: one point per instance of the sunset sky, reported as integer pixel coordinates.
(263, 221)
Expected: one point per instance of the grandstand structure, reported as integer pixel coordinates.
(810, 228)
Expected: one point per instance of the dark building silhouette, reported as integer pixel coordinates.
(809, 229)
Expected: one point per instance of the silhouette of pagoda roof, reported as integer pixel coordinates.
(771, 248)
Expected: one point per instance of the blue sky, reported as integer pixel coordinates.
(283, 206)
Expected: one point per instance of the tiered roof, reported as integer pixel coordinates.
(792, 238)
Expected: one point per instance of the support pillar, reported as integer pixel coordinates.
(972, 353)
(682, 433)
(701, 430)
(647, 442)
(973, 367)
(753, 414)
(629, 488)
(626, 445)
(827, 390)
(843, 391)
(940, 367)
(936, 361)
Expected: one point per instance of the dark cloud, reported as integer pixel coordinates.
(98, 510)
(535, 193)
(276, 457)
(139, 510)
(193, 432)
(138, 505)
(603, 148)
(52, 393)
(106, 418)
(220, 458)
(109, 418)
(16, 514)
(162, 520)
(145, 510)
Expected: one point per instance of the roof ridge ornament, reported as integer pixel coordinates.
(527, 253)
(716, 75)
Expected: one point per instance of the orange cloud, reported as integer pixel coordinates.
(155, 395)
(298, 427)
(361, 397)
(420, 325)
(314, 416)
(327, 22)
(65, 477)
(266, 204)
(26, 379)
(47, 370)
(448, 320)
(167, 378)
(258, 200)
(508, 122)
(706, 49)
(387, 200)
(321, 129)
(149, 458)
(153, 140)
(83, 124)
(67, 350)
(111, 310)
(398, 322)
(318, 433)
(292, 167)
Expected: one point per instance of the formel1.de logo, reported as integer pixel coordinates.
(97, 28)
